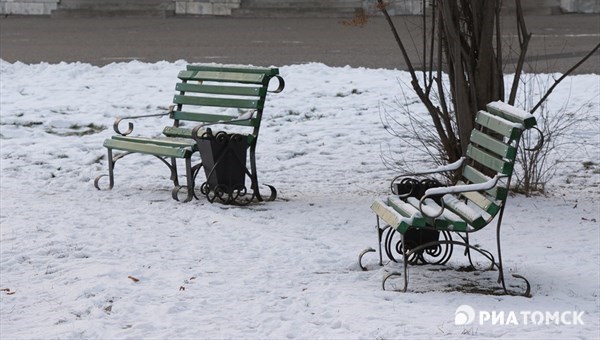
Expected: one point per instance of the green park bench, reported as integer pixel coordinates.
(217, 112)
(413, 223)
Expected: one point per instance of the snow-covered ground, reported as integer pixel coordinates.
(283, 269)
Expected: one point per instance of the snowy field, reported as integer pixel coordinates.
(283, 269)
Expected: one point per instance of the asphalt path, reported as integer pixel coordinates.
(558, 41)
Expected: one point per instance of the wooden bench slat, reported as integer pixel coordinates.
(489, 206)
(489, 161)
(500, 148)
(163, 141)
(218, 102)
(408, 211)
(391, 216)
(158, 150)
(460, 208)
(266, 71)
(447, 221)
(212, 118)
(179, 132)
(224, 90)
(474, 176)
(502, 126)
(512, 113)
(225, 77)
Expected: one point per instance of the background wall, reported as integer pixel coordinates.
(307, 8)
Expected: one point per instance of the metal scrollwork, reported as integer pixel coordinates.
(130, 124)
(112, 160)
(392, 275)
(223, 138)
(97, 182)
(177, 189)
(438, 253)
(117, 130)
(409, 187)
(540, 141)
(363, 253)
(226, 195)
(433, 252)
(281, 85)
(527, 292)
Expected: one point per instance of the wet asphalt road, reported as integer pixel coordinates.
(559, 41)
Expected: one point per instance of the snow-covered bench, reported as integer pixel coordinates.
(466, 207)
(208, 97)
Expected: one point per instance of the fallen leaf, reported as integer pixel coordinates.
(134, 279)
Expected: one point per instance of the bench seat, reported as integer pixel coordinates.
(166, 147)
(402, 215)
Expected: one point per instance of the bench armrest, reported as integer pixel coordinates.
(456, 189)
(130, 124)
(445, 168)
(465, 187)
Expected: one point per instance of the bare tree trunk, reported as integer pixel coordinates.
(475, 75)
(457, 71)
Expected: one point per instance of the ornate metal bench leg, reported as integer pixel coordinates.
(252, 173)
(189, 183)
(527, 292)
(501, 280)
(257, 194)
(405, 274)
(254, 178)
(174, 176)
(195, 169)
(385, 278)
(528, 287)
(273, 193)
(111, 176)
(379, 238)
(189, 175)
(254, 183)
(371, 250)
(360, 256)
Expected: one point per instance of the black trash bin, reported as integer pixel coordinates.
(224, 160)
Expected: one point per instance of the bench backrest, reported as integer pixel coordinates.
(493, 150)
(223, 95)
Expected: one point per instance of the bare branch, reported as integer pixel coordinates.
(519, 69)
(411, 69)
(499, 48)
(524, 38)
(569, 71)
